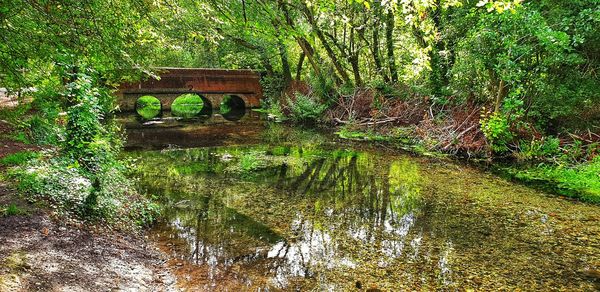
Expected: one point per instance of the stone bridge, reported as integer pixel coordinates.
(211, 84)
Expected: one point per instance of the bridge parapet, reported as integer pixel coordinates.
(211, 84)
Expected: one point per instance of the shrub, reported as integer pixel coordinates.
(84, 179)
(18, 158)
(108, 195)
(304, 109)
(11, 210)
(496, 129)
(545, 148)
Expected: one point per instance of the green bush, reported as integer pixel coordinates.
(187, 105)
(148, 107)
(496, 129)
(545, 148)
(84, 179)
(69, 190)
(581, 181)
(304, 109)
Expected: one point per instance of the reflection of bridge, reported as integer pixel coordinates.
(211, 84)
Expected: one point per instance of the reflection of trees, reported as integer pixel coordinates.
(372, 188)
(359, 196)
(216, 233)
(359, 199)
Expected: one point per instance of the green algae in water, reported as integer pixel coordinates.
(319, 218)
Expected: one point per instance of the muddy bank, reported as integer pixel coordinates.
(38, 254)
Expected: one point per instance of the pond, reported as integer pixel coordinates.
(256, 206)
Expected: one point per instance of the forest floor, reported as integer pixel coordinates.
(41, 253)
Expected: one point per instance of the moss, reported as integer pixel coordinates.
(187, 105)
(17, 261)
(148, 107)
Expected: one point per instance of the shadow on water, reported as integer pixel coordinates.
(292, 211)
(167, 131)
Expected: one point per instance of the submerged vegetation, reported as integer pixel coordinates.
(302, 215)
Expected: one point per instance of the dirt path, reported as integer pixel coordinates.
(38, 253)
(41, 255)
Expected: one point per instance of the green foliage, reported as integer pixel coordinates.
(187, 105)
(547, 147)
(249, 162)
(68, 189)
(273, 110)
(582, 181)
(305, 109)
(534, 55)
(21, 137)
(496, 129)
(148, 107)
(272, 87)
(88, 141)
(323, 87)
(349, 133)
(18, 158)
(11, 210)
(84, 179)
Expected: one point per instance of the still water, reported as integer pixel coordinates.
(256, 206)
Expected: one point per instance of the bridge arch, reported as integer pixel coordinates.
(148, 107)
(232, 107)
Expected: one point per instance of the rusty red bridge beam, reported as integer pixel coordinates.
(212, 84)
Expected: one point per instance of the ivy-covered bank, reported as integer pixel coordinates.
(75, 171)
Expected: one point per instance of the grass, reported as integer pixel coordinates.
(18, 158)
(345, 133)
(581, 181)
(148, 107)
(187, 105)
(11, 210)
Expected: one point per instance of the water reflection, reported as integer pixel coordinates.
(234, 114)
(292, 212)
(302, 215)
(202, 130)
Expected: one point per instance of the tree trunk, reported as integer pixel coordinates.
(439, 71)
(389, 36)
(375, 44)
(307, 49)
(285, 65)
(355, 69)
(338, 67)
(299, 67)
